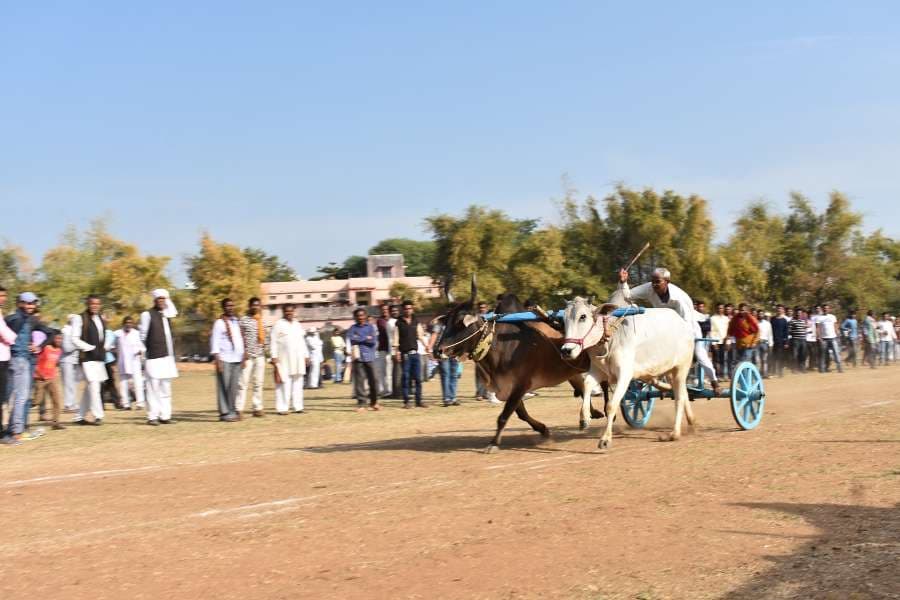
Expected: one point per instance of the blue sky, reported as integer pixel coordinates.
(314, 130)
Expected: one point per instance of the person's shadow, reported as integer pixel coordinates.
(856, 555)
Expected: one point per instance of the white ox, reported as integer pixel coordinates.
(648, 346)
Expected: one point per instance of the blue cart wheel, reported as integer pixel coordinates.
(748, 398)
(638, 403)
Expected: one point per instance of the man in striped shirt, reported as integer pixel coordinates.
(797, 329)
(254, 369)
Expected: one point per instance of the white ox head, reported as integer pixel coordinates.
(584, 327)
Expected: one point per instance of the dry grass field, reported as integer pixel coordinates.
(403, 503)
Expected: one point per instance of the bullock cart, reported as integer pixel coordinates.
(747, 393)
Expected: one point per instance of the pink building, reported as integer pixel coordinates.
(333, 300)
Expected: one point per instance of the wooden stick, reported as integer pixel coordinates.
(637, 256)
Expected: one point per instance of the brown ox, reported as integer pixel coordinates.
(521, 357)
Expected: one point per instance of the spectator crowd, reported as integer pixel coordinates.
(132, 365)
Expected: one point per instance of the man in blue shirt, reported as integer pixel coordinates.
(850, 329)
(781, 340)
(363, 337)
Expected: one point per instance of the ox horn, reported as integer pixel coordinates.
(447, 283)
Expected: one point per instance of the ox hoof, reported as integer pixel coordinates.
(582, 424)
(668, 437)
(545, 434)
(492, 449)
(604, 444)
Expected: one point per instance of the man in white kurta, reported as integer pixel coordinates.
(88, 336)
(314, 346)
(660, 293)
(68, 366)
(290, 356)
(156, 334)
(129, 349)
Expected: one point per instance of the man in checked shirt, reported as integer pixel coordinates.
(254, 370)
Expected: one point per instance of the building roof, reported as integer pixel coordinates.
(338, 285)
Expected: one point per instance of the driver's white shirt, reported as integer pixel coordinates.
(679, 301)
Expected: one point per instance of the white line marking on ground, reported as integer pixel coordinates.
(882, 403)
(85, 475)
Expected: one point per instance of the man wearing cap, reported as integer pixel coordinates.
(156, 334)
(22, 323)
(659, 292)
(89, 336)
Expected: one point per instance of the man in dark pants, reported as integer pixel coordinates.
(7, 338)
(781, 340)
(226, 344)
(363, 337)
(406, 344)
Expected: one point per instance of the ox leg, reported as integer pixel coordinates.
(679, 383)
(535, 424)
(599, 414)
(512, 402)
(587, 408)
(612, 408)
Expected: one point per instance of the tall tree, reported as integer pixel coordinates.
(96, 262)
(273, 268)
(218, 271)
(417, 255)
(16, 272)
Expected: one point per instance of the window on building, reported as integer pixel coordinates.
(307, 296)
(271, 297)
(323, 295)
(290, 296)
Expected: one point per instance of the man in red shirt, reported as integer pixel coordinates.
(46, 377)
(745, 329)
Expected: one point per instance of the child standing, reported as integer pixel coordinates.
(46, 377)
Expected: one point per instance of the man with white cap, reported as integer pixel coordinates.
(89, 335)
(314, 346)
(660, 293)
(156, 334)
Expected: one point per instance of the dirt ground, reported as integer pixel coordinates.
(403, 504)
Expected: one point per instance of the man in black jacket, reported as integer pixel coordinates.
(89, 336)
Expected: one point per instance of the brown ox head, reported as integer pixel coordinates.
(461, 325)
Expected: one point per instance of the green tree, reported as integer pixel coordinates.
(219, 271)
(95, 262)
(16, 273)
(273, 268)
(353, 266)
(417, 255)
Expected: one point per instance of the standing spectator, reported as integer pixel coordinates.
(68, 366)
(730, 349)
(314, 347)
(449, 368)
(828, 341)
(339, 346)
(481, 391)
(253, 372)
(886, 338)
(718, 330)
(22, 323)
(156, 334)
(701, 348)
(812, 339)
(109, 390)
(383, 354)
(290, 357)
(798, 339)
(744, 328)
(363, 338)
(89, 336)
(406, 345)
(226, 345)
(46, 377)
(396, 368)
(7, 338)
(129, 350)
(870, 339)
(850, 330)
(766, 340)
(781, 340)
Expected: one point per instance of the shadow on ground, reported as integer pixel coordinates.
(856, 555)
